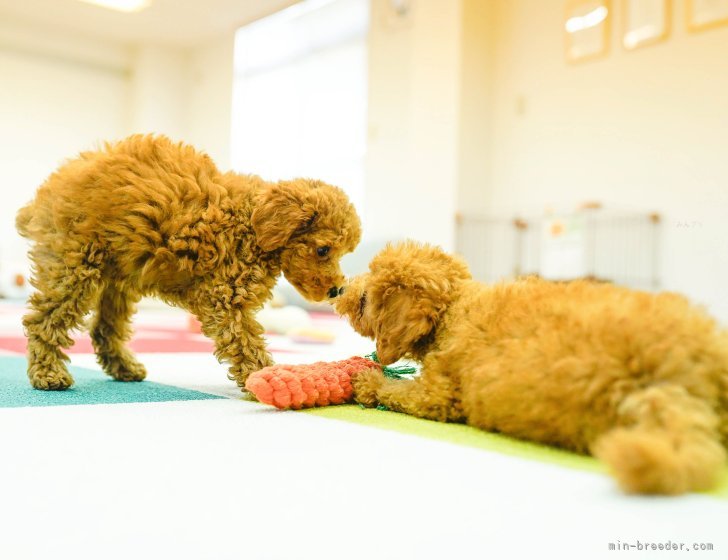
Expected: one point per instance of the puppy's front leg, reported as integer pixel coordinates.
(430, 396)
(238, 340)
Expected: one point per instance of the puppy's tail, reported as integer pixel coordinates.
(23, 220)
(669, 443)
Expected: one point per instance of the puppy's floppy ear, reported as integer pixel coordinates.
(280, 213)
(414, 284)
(403, 321)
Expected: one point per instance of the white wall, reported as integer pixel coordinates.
(473, 108)
(159, 90)
(414, 87)
(643, 130)
(209, 98)
(58, 95)
(431, 103)
(61, 94)
(185, 94)
(476, 104)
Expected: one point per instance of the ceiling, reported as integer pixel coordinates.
(177, 23)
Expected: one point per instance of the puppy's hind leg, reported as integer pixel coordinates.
(110, 331)
(64, 295)
(668, 443)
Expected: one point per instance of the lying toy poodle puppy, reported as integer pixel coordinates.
(638, 379)
(146, 216)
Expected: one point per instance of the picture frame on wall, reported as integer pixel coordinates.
(586, 29)
(645, 22)
(706, 14)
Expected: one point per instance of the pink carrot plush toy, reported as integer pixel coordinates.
(309, 385)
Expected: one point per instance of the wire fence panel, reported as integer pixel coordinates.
(614, 247)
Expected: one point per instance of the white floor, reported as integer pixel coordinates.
(229, 478)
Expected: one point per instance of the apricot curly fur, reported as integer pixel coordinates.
(638, 379)
(146, 216)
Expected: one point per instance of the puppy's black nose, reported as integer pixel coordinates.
(342, 290)
(333, 292)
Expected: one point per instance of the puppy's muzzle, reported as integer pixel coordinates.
(334, 291)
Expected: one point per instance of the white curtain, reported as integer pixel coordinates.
(300, 94)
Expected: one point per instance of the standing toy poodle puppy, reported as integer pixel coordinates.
(148, 216)
(638, 379)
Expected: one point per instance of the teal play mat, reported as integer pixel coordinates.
(91, 387)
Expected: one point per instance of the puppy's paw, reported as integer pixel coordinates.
(123, 368)
(132, 372)
(50, 379)
(240, 373)
(366, 386)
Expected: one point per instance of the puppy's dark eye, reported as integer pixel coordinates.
(323, 251)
